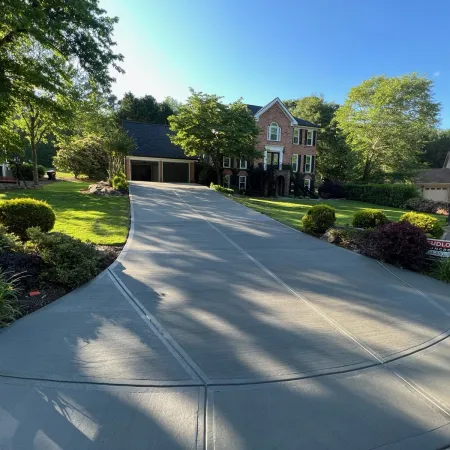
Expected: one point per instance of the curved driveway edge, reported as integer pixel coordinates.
(218, 327)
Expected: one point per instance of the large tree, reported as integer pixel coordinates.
(76, 30)
(386, 121)
(205, 125)
(335, 160)
(435, 151)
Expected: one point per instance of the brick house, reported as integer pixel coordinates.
(289, 147)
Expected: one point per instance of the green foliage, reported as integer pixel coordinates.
(386, 121)
(399, 243)
(119, 182)
(427, 206)
(221, 189)
(435, 150)
(19, 214)
(145, 109)
(118, 145)
(83, 156)
(318, 219)
(428, 224)
(442, 270)
(8, 300)
(9, 242)
(206, 126)
(207, 175)
(381, 194)
(11, 143)
(67, 261)
(369, 218)
(25, 171)
(335, 160)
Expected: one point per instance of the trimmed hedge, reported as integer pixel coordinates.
(428, 224)
(331, 189)
(369, 218)
(19, 214)
(399, 243)
(394, 195)
(427, 206)
(318, 219)
(26, 171)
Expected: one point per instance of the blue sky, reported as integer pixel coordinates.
(259, 50)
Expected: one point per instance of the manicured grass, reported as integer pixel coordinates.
(290, 211)
(100, 220)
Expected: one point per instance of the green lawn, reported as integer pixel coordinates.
(101, 220)
(290, 211)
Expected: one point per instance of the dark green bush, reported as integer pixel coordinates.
(331, 189)
(426, 206)
(318, 219)
(26, 171)
(207, 175)
(394, 195)
(9, 242)
(8, 300)
(399, 243)
(428, 224)
(18, 214)
(221, 189)
(67, 261)
(369, 218)
(442, 270)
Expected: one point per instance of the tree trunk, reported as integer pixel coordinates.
(367, 169)
(34, 154)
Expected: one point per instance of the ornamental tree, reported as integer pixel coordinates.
(204, 125)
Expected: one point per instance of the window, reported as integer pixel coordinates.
(273, 159)
(226, 181)
(296, 139)
(242, 163)
(307, 183)
(295, 163)
(226, 162)
(310, 138)
(273, 132)
(308, 159)
(242, 183)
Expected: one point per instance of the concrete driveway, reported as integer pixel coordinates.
(220, 328)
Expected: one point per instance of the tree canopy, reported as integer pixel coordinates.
(386, 121)
(205, 125)
(435, 151)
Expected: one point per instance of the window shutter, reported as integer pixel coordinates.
(314, 137)
(300, 137)
(306, 137)
(312, 162)
(304, 163)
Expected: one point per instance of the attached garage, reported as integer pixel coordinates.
(155, 157)
(435, 183)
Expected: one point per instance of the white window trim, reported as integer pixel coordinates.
(306, 163)
(274, 148)
(295, 168)
(296, 130)
(245, 182)
(229, 162)
(269, 132)
(308, 182)
(240, 164)
(227, 180)
(312, 138)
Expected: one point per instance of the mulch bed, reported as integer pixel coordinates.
(35, 293)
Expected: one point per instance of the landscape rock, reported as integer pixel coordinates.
(102, 188)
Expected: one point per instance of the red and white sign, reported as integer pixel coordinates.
(438, 247)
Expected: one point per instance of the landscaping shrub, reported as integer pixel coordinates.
(349, 238)
(9, 242)
(394, 195)
(26, 171)
(399, 243)
(369, 218)
(207, 175)
(442, 270)
(18, 214)
(119, 182)
(318, 219)
(67, 261)
(8, 299)
(428, 224)
(331, 189)
(221, 189)
(427, 206)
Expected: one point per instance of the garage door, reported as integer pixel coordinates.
(176, 172)
(436, 194)
(144, 170)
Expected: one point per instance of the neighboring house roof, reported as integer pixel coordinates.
(434, 176)
(152, 140)
(258, 110)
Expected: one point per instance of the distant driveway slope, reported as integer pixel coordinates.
(220, 328)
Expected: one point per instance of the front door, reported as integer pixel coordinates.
(273, 159)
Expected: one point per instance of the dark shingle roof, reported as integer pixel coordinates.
(152, 140)
(304, 123)
(434, 176)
